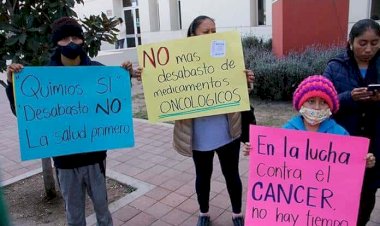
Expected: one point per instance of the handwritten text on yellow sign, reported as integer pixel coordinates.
(193, 77)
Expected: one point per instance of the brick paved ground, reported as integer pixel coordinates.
(165, 177)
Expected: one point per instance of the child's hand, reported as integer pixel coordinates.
(138, 73)
(127, 65)
(246, 148)
(370, 160)
(250, 79)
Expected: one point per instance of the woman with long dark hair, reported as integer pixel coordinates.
(202, 137)
(359, 112)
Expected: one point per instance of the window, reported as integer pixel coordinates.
(375, 10)
(258, 13)
(129, 3)
(179, 14)
(261, 20)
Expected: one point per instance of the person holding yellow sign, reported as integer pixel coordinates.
(202, 137)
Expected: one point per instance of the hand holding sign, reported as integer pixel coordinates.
(194, 77)
(297, 177)
(67, 110)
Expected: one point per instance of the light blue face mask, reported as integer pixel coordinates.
(315, 117)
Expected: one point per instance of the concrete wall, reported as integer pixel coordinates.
(159, 18)
(232, 14)
(94, 7)
(225, 17)
(164, 11)
(358, 9)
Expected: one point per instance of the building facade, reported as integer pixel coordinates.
(149, 21)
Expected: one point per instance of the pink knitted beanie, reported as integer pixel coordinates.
(316, 86)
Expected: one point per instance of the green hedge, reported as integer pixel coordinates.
(277, 78)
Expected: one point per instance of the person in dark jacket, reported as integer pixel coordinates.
(78, 172)
(316, 99)
(351, 73)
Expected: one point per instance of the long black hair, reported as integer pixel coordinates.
(196, 22)
(360, 27)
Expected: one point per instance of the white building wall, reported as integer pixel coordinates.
(164, 11)
(227, 13)
(268, 11)
(146, 15)
(174, 19)
(159, 18)
(94, 7)
(117, 7)
(358, 9)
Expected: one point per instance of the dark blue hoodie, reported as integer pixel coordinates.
(76, 160)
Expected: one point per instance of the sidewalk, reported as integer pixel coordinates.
(165, 179)
(152, 165)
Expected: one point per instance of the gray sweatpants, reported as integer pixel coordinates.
(73, 184)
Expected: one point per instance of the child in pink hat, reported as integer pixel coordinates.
(316, 100)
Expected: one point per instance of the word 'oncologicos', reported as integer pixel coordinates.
(200, 101)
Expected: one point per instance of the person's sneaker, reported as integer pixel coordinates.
(203, 221)
(238, 221)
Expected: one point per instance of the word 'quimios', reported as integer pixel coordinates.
(31, 87)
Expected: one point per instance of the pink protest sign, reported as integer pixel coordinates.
(304, 178)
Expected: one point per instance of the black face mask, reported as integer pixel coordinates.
(71, 50)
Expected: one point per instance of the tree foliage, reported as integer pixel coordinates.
(25, 30)
(25, 37)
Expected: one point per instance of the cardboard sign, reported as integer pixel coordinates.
(304, 178)
(68, 110)
(192, 77)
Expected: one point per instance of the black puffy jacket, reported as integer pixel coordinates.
(358, 118)
(75, 160)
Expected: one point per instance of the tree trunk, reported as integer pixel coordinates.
(49, 182)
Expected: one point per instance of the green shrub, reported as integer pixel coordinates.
(277, 78)
(255, 42)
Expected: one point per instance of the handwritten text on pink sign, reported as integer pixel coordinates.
(304, 178)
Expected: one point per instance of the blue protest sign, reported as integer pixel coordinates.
(68, 110)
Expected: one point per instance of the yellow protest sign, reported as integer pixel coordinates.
(192, 77)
